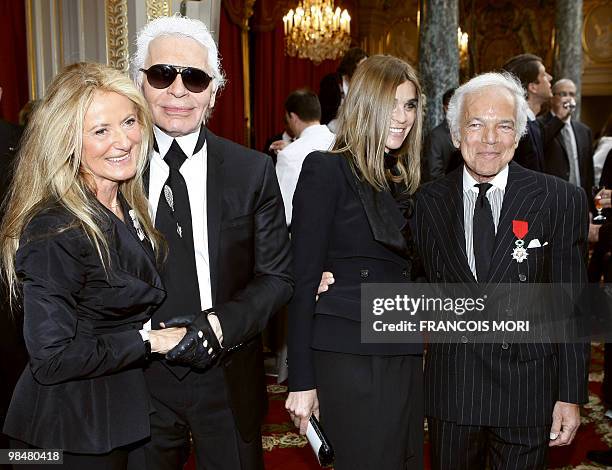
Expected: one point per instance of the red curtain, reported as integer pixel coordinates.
(228, 116)
(13, 59)
(274, 76)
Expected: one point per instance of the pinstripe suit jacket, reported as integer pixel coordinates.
(499, 384)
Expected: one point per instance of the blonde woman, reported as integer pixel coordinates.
(79, 253)
(348, 219)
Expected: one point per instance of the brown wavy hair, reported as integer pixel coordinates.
(365, 117)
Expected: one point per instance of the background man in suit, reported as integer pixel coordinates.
(502, 402)
(569, 155)
(530, 70)
(334, 86)
(440, 156)
(228, 267)
(303, 114)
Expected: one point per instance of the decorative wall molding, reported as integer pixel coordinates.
(117, 42)
(157, 8)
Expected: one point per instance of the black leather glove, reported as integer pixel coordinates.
(199, 347)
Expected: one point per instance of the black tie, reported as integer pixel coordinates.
(179, 273)
(483, 231)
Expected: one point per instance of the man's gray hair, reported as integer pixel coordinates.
(563, 81)
(177, 26)
(505, 80)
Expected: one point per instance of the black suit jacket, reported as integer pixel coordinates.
(530, 152)
(341, 225)
(556, 160)
(489, 384)
(9, 141)
(9, 138)
(250, 267)
(83, 390)
(440, 156)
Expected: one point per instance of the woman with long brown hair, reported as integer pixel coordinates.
(349, 218)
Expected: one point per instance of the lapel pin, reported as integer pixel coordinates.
(136, 225)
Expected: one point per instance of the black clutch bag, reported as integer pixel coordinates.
(319, 442)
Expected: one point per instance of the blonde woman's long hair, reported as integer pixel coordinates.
(365, 117)
(48, 166)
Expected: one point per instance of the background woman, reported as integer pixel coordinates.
(77, 250)
(348, 220)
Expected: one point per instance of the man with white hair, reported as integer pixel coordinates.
(493, 221)
(228, 266)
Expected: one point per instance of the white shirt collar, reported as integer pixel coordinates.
(345, 86)
(566, 122)
(530, 114)
(186, 142)
(310, 130)
(500, 181)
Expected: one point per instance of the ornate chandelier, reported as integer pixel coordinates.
(316, 31)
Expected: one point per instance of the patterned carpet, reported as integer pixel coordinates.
(284, 449)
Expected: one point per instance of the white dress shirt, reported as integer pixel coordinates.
(495, 195)
(194, 172)
(530, 114)
(569, 140)
(289, 160)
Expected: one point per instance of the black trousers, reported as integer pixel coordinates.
(115, 460)
(462, 447)
(194, 410)
(371, 408)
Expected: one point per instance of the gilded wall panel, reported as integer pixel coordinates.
(157, 8)
(117, 43)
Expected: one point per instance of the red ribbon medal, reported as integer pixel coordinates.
(520, 228)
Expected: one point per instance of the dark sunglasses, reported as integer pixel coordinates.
(163, 75)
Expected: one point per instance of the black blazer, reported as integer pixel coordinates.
(530, 152)
(340, 225)
(84, 390)
(440, 156)
(507, 384)
(9, 141)
(556, 161)
(250, 267)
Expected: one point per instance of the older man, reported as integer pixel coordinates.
(503, 402)
(569, 155)
(228, 265)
